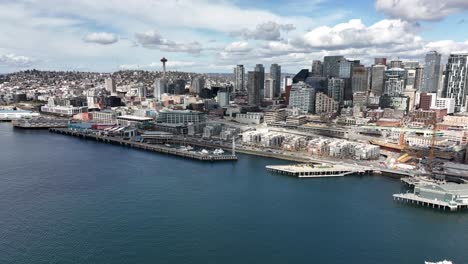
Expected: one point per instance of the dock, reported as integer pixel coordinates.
(410, 198)
(144, 146)
(316, 170)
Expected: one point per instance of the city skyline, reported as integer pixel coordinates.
(114, 35)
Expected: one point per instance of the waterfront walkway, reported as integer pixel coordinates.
(145, 146)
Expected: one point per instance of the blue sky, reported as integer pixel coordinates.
(214, 35)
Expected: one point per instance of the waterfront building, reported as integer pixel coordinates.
(104, 117)
(275, 76)
(432, 72)
(181, 117)
(302, 97)
(274, 116)
(131, 120)
(9, 115)
(63, 110)
(239, 78)
(456, 80)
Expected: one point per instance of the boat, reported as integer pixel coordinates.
(218, 152)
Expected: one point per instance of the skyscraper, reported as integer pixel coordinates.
(239, 78)
(456, 80)
(317, 68)
(331, 66)
(253, 88)
(336, 89)
(160, 87)
(197, 85)
(261, 80)
(395, 82)
(377, 79)
(418, 79)
(270, 86)
(275, 75)
(359, 79)
(432, 73)
(223, 97)
(109, 83)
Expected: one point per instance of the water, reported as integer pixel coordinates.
(67, 200)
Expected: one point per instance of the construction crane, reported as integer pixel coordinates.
(430, 161)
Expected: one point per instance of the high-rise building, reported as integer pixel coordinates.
(418, 79)
(344, 68)
(109, 83)
(239, 78)
(160, 88)
(432, 73)
(142, 92)
(331, 66)
(275, 75)
(377, 79)
(253, 88)
(261, 81)
(456, 78)
(270, 86)
(198, 83)
(223, 98)
(317, 68)
(381, 61)
(336, 88)
(394, 82)
(396, 64)
(302, 97)
(359, 79)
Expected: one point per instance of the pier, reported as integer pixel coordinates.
(410, 198)
(316, 170)
(144, 146)
(40, 123)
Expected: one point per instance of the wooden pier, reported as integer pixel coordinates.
(144, 146)
(409, 198)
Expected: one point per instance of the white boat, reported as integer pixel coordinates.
(204, 151)
(218, 152)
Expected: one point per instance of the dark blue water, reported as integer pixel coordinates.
(66, 200)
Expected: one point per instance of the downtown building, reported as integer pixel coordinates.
(253, 88)
(302, 97)
(456, 80)
(432, 73)
(275, 76)
(377, 79)
(239, 78)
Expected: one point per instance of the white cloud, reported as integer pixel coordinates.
(102, 38)
(14, 60)
(153, 40)
(354, 34)
(265, 31)
(414, 10)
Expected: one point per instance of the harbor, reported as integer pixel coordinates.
(201, 156)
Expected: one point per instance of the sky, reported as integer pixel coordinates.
(215, 35)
